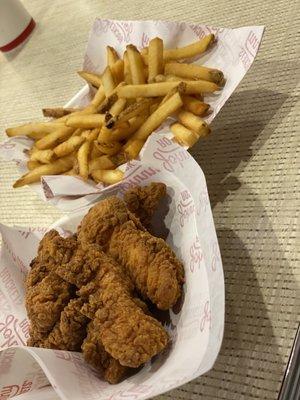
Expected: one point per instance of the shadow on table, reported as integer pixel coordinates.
(241, 128)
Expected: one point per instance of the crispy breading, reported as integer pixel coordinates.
(126, 332)
(46, 300)
(149, 261)
(143, 201)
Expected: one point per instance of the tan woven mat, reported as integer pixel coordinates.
(250, 162)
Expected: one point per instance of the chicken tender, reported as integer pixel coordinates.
(46, 300)
(95, 354)
(143, 201)
(151, 264)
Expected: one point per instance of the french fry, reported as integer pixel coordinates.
(161, 89)
(109, 148)
(107, 103)
(90, 135)
(58, 112)
(108, 176)
(132, 148)
(183, 135)
(90, 109)
(190, 50)
(117, 70)
(95, 152)
(102, 162)
(34, 130)
(154, 120)
(108, 81)
(195, 106)
(155, 58)
(67, 147)
(43, 156)
(99, 97)
(77, 132)
(54, 138)
(121, 132)
(117, 107)
(135, 109)
(193, 122)
(127, 72)
(192, 71)
(185, 52)
(144, 51)
(86, 121)
(89, 77)
(83, 159)
(180, 88)
(111, 55)
(56, 167)
(33, 164)
(136, 65)
(160, 78)
(71, 172)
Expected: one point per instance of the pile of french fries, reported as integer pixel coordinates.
(134, 95)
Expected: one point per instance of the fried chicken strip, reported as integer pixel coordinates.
(119, 323)
(143, 201)
(151, 264)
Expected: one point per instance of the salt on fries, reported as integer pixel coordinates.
(134, 95)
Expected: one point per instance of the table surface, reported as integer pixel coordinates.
(250, 162)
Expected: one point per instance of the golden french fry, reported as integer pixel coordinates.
(95, 152)
(54, 138)
(90, 109)
(174, 78)
(56, 167)
(183, 135)
(193, 122)
(109, 176)
(132, 148)
(33, 164)
(107, 103)
(99, 97)
(155, 58)
(108, 81)
(83, 159)
(135, 109)
(117, 70)
(86, 121)
(160, 78)
(34, 129)
(109, 148)
(43, 156)
(195, 106)
(67, 147)
(90, 135)
(127, 73)
(154, 120)
(102, 162)
(192, 71)
(186, 52)
(136, 65)
(122, 131)
(58, 112)
(117, 107)
(180, 88)
(71, 172)
(190, 50)
(161, 89)
(89, 77)
(112, 55)
(77, 132)
(144, 51)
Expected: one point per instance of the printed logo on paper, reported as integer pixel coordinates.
(185, 207)
(196, 255)
(169, 154)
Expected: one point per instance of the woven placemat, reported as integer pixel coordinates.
(250, 162)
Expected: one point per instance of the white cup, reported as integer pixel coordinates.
(16, 24)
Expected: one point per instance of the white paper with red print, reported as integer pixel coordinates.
(233, 53)
(196, 329)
